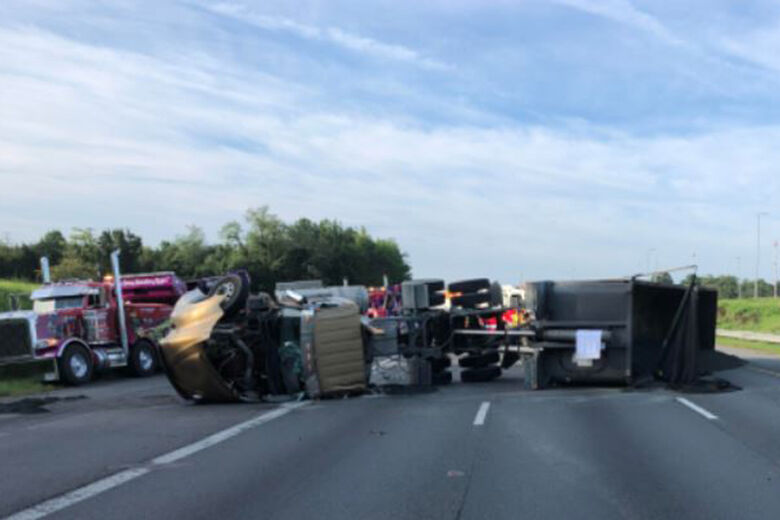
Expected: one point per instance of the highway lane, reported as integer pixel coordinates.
(112, 424)
(574, 453)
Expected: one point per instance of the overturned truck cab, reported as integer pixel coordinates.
(229, 346)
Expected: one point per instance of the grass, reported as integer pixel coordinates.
(755, 315)
(771, 348)
(17, 386)
(17, 380)
(23, 379)
(9, 287)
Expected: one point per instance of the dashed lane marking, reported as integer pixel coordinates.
(696, 408)
(479, 420)
(117, 479)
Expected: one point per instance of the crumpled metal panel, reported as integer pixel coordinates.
(183, 354)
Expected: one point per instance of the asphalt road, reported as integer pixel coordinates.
(465, 451)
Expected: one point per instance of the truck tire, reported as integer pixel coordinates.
(143, 359)
(479, 361)
(75, 365)
(496, 295)
(471, 300)
(442, 378)
(469, 286)
(480, 375)
(235, 290)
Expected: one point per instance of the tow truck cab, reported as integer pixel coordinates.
(77, 325)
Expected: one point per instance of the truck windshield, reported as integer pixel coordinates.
(52, 304)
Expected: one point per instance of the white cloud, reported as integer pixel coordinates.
(624, 12)
(760, 47)
(334, 35)
(91, 136)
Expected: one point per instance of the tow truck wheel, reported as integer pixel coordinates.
(75, 365)
(143, 359)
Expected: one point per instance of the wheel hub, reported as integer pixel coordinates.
(78, 365)
(145, 360)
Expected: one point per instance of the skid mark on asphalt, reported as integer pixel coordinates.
(117, 479)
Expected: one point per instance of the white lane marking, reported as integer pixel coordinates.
(764, 371)
(696, 408)
(479, 420)
(82, 493)
(117, 479)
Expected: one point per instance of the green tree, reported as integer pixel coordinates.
(270, 249)
(83, 245)
(186, 254)
(53, 246)
(130, 245)
(72, 268)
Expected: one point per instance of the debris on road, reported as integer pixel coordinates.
(228, 345)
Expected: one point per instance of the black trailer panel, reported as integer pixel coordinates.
(638, 316)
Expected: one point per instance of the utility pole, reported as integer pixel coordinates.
(649, 259)
(739, 277)
(758, 250)
(774, 287)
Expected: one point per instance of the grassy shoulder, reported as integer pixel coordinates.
(771, 348)
(22, 288)
(19, 386)
(24, 379)
(750, 314)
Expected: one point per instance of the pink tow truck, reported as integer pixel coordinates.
(84, 326)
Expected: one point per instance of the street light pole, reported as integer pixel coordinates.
(739, 277)
(774, 287)
(758, 250)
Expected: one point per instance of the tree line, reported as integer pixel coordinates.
(270, 249)
(730, 287)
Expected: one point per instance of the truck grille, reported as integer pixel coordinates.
(14, 339)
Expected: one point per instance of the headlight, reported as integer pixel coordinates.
(46, 343)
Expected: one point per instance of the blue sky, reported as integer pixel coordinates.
(514, 139)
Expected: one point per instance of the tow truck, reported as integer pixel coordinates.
(83, 327)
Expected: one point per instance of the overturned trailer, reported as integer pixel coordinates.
(227, 345)
(585, 332)
(647, 330)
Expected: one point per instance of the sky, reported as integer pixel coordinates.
(520, 140)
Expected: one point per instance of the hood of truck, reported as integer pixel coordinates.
(42, 325)
(15, 315)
